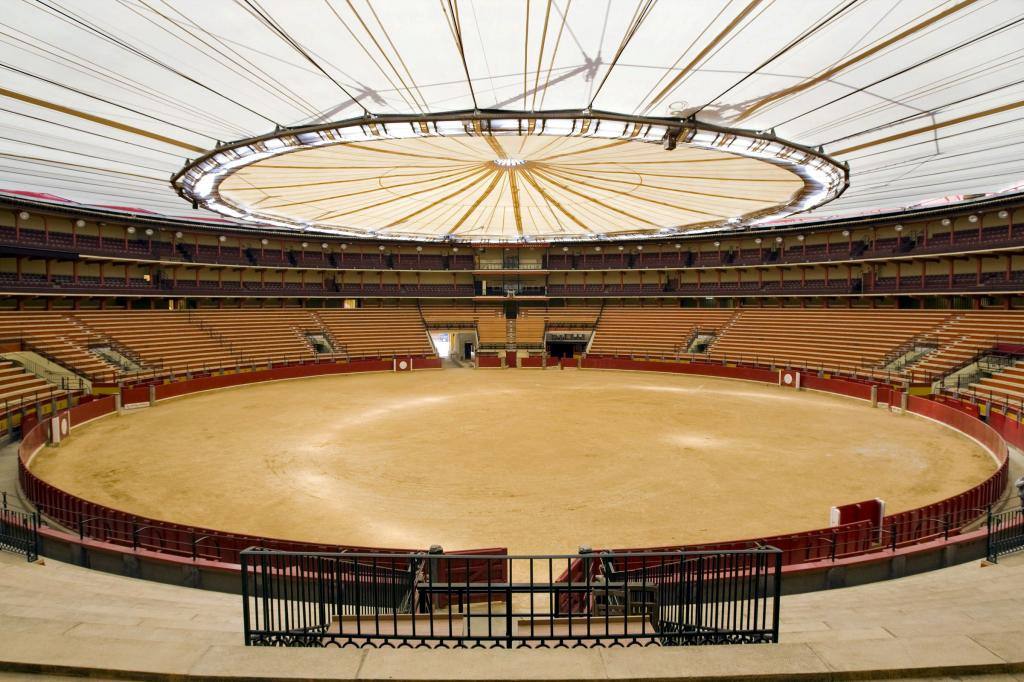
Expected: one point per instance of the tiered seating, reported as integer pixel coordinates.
(374, 332)
(162, 339)
(173, 341)
(654, 331)
(965, 335)
(568, 314)
(57, 337)
(850, 338)
(17, 384)
(263, 335)
(491, 326)
(1005, 385)
(450, 313)
(530, 329)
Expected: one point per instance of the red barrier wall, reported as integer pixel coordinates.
(104, 524)
(705, 369)
(918, 525)
(488, 361)
(532, 361)
(913, 526)
(847, 388)
(284, 372)
(1008, 427)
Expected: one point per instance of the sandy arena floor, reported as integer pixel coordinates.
(538, 461)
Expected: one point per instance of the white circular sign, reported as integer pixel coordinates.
(403, 365)
(787, 379)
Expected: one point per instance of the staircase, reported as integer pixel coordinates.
(73, 354)
(18, 384)
(908, 354)
(718, 333)
(219, 339)
(339, 348)
(133, 357)
(1000, 381)
(46, 370)
(510, 333)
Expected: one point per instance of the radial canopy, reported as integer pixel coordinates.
(539, 187)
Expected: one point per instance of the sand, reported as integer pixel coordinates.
(536, 461)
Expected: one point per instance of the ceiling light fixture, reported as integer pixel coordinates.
(509, 162)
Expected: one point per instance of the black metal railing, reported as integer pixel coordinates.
(19, 531)
(495, 601)
(1005, 533)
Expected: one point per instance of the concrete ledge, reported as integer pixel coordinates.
(998, 653)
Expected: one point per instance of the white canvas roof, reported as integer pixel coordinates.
(101, 101)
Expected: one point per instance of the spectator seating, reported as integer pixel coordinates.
(439, 314)
(1005, 385)
(566, 314)
(652, 330)
(461, 262)
(667, 259)
(263, 335)
(58, 337)
(828, 337)
(417, 261)
(167, 340)
(18, 384)
(378, 331)
(965, 334)
(491, 326)
(203, 253)
(489, 320)
(164, 341)
(361, 261)
(530, 330)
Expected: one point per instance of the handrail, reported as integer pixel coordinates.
(1005, 533)
(68, 381)
(19, 531)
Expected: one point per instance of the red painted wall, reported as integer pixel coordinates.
(918, 525)
(704, 369)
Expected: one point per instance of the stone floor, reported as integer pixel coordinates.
(64, 620)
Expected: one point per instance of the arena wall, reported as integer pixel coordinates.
(117, 541)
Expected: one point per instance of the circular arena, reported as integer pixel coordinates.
(536, 339)
(470, 459)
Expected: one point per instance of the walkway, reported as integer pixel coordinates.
(62, 619)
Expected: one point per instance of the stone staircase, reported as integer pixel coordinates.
(54, 599)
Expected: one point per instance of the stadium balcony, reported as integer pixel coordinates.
(56, 283)
(146, 244)
(1011, 281)
(63, 242)
(202, 253)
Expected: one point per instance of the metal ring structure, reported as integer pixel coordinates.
(823, 178)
